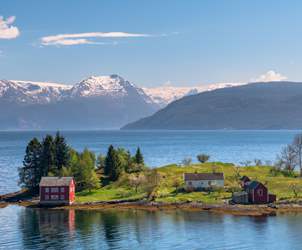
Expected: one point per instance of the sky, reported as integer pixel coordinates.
(150, 43)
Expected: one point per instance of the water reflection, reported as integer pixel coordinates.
(132, 229)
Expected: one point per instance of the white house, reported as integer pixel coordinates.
(203, 180)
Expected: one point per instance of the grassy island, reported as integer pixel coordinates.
(122, 179)
(169, 188)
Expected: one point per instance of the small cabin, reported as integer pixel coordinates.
(258, 193)
(57, 190)
(254, 193)
(195, 181)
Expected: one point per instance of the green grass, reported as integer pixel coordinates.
(165, 192)
(107, 194)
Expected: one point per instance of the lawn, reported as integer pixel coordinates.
(166, 190)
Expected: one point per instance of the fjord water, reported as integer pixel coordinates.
(25, 228)
(28, 228)
(159, 147)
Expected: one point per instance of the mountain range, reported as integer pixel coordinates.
(94, 103)
(98, 102)
(261, 105)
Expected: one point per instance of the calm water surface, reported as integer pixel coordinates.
(158, 147)
(25, 228)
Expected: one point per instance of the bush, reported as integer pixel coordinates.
(202, 158)
(186, 161)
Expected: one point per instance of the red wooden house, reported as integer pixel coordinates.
(57, 190)
(258, 193)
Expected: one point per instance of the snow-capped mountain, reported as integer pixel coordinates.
(96, 102)
(28, 92)
(113, 85)
(166, 94)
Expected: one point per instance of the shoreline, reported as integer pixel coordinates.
(238, 210)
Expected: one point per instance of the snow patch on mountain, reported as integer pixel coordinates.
(163, 95)
(29, 92)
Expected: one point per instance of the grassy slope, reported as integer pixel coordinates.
(278, 185)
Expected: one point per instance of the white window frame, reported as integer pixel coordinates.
(54, 190)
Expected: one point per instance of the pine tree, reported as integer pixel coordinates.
(48, 163)
(62, 152)
(139, 159)
(117, 167)
(109, 161)
(31, 172)
(113, 164)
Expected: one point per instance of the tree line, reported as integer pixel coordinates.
(52, 156)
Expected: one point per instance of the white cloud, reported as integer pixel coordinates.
(84, 38)
(271, 76)
(7, 30)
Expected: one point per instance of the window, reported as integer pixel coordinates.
(190, 183)
(54, 197)
(54, 190)
(62, 197)
(260, 192)
(46, 197)
(62, 189)
(46, 190)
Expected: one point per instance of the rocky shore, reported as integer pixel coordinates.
(240, 210)
(22, 198)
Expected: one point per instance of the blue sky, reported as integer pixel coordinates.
(185, 42)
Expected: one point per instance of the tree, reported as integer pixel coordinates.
(186, 161)
(287, 160)
(152, 181)
(138, 158)
(100, 164)
(258, 162)
(297, 146)
(176, 183)
(136, 180)
(84, 170)
(202, 158)
(113, 164)
(62, 152)
(30, 174)
(48, 163)
(109, 161)
(295, 189)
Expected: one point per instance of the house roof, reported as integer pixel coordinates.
(55, 181)
(254, 184)
(203, 176)
(245, 178)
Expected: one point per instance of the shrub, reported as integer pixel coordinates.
(202, 158)
(186, 161)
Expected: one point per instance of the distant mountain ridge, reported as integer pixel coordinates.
(269, 105)
(163, 95)
(95, 103)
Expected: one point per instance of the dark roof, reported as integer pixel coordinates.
(55, 181)
(245, 178)
(203, 176)
(254, 184)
